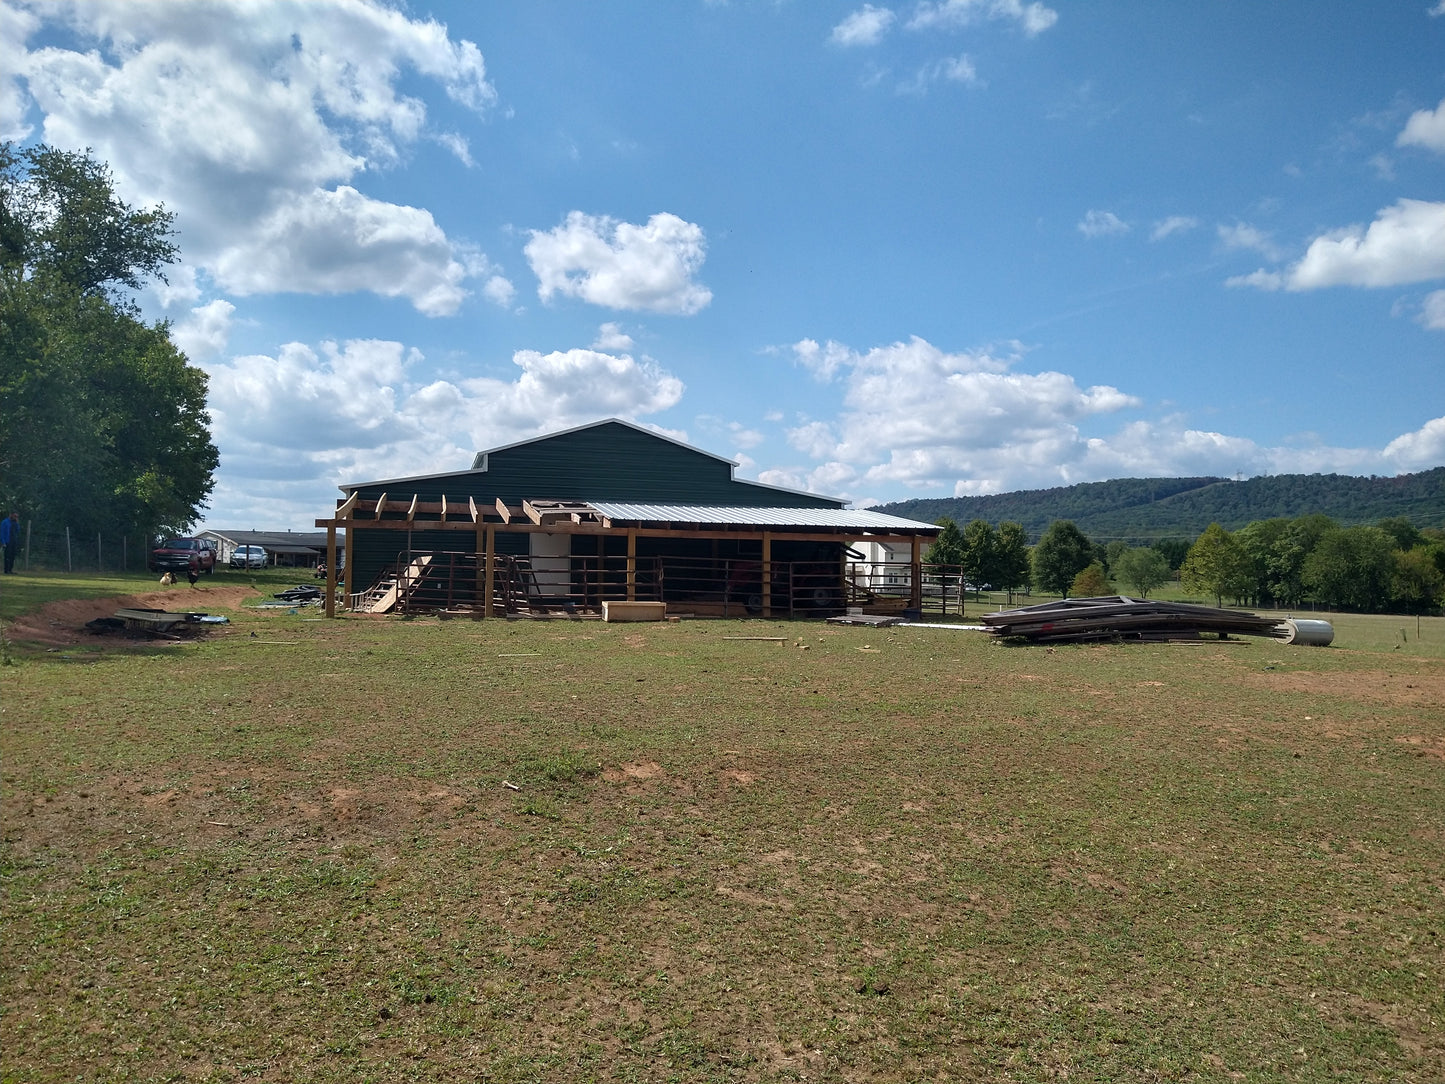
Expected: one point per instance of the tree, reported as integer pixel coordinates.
(1174, 551)
(1352, 568)
(1215, 565)
(980, 544)
(1418, 585)
(105, 425)
(1142, 570)
(1404, 534)
(1062, 553)
(947, 548)
(1090, 583)
(1288, 555)
(1013, 558)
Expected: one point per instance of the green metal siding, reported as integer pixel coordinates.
(606, 462)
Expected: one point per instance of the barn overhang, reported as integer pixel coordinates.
(630, 520)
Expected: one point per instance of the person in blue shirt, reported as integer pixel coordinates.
(10, 539)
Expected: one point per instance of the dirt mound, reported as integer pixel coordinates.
(62, 624)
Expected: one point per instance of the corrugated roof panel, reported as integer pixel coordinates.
(855, 519)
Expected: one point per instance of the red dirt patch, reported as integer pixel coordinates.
(62, 623)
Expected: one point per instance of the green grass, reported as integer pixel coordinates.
(858, 855)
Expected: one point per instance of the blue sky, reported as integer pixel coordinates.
(878, 251)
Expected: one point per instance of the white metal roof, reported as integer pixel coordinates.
(852, 519)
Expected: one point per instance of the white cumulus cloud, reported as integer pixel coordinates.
(1241, 235)
(1425, 128)
(249, 117)
(621, 265)
(1032, 18)
(294, 425)
(1102, 224)
(205, 331)
(1432, 312)
(1404, 244)
(863, 27)
(1168, 227)
(1421, 450)
(339, 241)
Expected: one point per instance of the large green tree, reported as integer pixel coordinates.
(1216, 565)
(1352, 568)
(104, 425)
(947, 548)
(1013, 568)
(1141, 569)
(980, 548)
(1062, 553)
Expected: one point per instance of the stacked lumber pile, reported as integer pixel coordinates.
(1117, 617)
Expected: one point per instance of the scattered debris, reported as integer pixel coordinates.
(1117, 617)
(303, 592)
(160, 624)
(875, 620)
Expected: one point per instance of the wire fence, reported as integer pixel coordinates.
(63, 549)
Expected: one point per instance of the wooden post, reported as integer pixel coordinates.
(631, 565)
(331, 569)
(481, 577)
(767, 584)
(916, 600)
(491, 575)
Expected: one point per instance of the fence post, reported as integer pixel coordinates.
(99, 555)
(68, 567)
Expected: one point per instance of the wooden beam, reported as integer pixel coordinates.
(344, 508)
(767, 574)
(632, 566)
(916, 596)
(380, 506)
(491, 586)
(503, 511)
(411, 512)
(330, 572)
(475, 514)
(568, 527)
(444, 507)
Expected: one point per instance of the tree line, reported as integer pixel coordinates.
(1391, 566)
(104, 426)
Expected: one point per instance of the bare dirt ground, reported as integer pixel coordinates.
(62, 624)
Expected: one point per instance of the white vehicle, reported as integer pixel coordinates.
(248, 557)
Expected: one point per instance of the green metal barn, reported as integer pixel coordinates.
(562, 523)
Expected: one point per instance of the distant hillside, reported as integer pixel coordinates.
(1142, 509)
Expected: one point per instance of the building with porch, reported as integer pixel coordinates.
(608, 511)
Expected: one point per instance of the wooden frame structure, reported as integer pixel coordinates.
(537, 516)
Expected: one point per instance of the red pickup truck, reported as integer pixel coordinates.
(176, 555)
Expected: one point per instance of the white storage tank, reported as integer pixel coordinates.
(1308, 631)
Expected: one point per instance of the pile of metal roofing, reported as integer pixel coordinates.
(1117, 617)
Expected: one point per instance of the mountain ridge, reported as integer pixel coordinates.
(1141, 510)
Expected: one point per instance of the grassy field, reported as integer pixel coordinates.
(386, 849)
